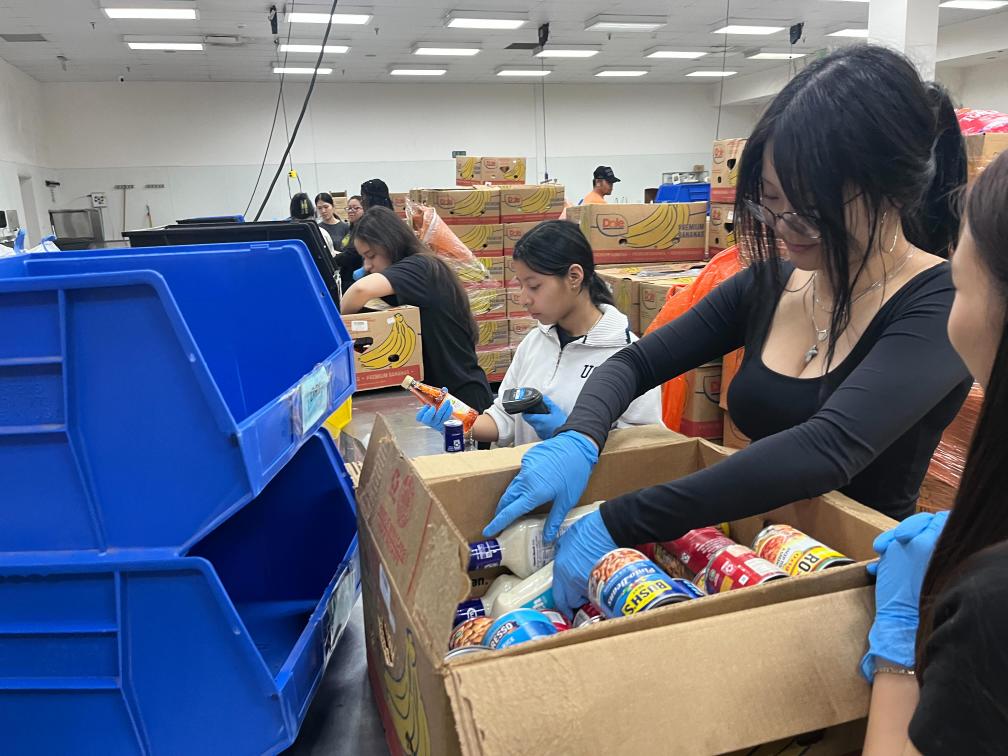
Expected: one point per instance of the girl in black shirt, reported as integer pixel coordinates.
(402, 271)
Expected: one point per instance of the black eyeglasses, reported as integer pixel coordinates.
(800, 224)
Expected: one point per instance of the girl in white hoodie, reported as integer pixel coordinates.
(579, 329)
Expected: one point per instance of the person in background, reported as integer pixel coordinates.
(327, 217)
(347, 258)
(375, 193)
(602, 186)
(936, 653)
(579, 328)
(302, 209)
(849, 378)
(402, 271)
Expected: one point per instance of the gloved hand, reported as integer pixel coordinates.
(546, 426)
(556, 470)
(578, 551)
(359, 274)
(905, 552)
(435, 417)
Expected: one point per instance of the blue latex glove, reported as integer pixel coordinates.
(904, 533)
(435, 417)
(578, 551)
(556, 470)
(899, 574)
(546, 426)
(359, 274)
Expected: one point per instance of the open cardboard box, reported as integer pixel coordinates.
(708, 676)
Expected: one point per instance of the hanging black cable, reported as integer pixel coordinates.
(304, 108)
(724, 58)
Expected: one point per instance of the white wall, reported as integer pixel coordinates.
(985, 87)
(204, 141)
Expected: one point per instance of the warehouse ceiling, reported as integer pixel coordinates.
(80, 43)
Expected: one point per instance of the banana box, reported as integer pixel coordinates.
(399, 202)
(495, 362)
(519, 328)
(981, 149)
(722, 227)
(484, 240)
(662, 232)
(466, 207)
(509, 271)
(418, 195)
(387, 346)
(654, 293)
(701, 416)
(474, 171)
(524, 204)
(733, 438)
(724, 169)
(515, 308)
(495, 268)
(625, 282)
(513, 232)
(487, 301)
(493, 334)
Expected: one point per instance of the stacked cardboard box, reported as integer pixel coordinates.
(722, 228)
(387, 345)
(653, 294)
(981, 149)
(626, 282)
(724, 169)
(474, 171)
(518, 329)
(663, 232)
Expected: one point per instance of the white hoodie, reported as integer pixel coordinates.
(560, 374)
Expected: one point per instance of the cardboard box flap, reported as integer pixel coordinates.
(568, 699)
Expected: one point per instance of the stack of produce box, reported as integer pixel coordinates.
(667, 232)
(640, 290)
(724, 178)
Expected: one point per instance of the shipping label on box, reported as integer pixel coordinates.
(981, 149)
(513, 232)
(519, 328)
(523, 204)
(664, 232)
(722, 227)
(484, 240)
(654, 294)
(473, 171)
(487, 302)
(466, 207)
(515, 307)
(387, 346)
(724, 169)
(493, 334)
(702, 414)
(495, 362)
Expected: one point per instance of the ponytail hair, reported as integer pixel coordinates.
(552, 247)
(324, 197)
(301, 207)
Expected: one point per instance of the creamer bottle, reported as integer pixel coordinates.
(534, 592)
(520, 547)
(481, 607)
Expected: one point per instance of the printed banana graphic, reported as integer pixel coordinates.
(539, 201)
(472, 205)
(482, 301)
(486, 332)
(468, 168)
(513, 172)
(409, 716)
(476, 238)
(396, 348)
(659, 230)
(472, 272)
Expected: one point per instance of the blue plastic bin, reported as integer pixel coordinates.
(149, 394)
(690, 192)
(218, 650)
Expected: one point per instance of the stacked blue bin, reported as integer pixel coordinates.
(178, 547)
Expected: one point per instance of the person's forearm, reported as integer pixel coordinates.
(353, 301)
(485, 430)
(894, 698)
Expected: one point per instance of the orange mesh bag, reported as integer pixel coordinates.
(437, 235)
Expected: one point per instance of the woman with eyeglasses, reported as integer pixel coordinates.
(347, 257)
(849, 378)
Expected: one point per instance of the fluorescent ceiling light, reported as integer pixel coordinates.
(761, 55)
(458, 19)
(295, 70)
(752, 29)
(974, 4)
(859, 33)
(620, 72)
(568, 51)
(659, 52)
(442, 50)
(537, 72)
(314, 49)
(418, 72)
(167, 14)
(712, 73)
(305, 17)
(608, 23)
(194, 46)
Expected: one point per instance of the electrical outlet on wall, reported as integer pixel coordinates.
(98, 199)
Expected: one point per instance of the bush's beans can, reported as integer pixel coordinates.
(587, 615)
(696, 548)
(737, 566)
(795, 552)
(559, 621)
(625, 582)
(516, 627)
(454, 436)
(469, 633)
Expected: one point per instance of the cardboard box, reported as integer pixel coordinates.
(485, 240)
(399, 202)
(535, 202)
(723, 670)
(509, 271)
(493, 334)
(519, 328)
(466, 207)
(626, 280)
(487, 302)
(513, 232)
(654, 293)
(495, 268)
(472, 171)
(515, 308)
(665, 232)
(722, 227)
(733, 438)
(387, 346)
(724, 169)
(418, 195)
(702, 414)
(574, 214)
(495, 362)
(981, 149)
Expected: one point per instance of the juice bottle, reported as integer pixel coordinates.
(520, 547)
(435, 397)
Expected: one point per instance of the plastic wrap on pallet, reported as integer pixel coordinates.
(436, 234)
(950, 456)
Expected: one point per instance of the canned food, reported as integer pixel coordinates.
(559, 621)
(795, 552)
(737, 566)
(454, 435)
(669, 563)
(700, 580)
(625, 582)
(587, 615)
(696, 548)
(516, 627)
(464, 651)
(469, 633)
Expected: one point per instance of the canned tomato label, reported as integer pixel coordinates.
(587, 615)
(625, 582)
(696, 548)
(516, 627)
(795, 552)
(559, 621)
(469, 633)
(738, 566)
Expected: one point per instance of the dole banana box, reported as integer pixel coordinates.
(663, 232)
(655, 292)
(981, 149)
(724, 169)
(495, 362)
(495, 268)
(493, 334)
(513, 232)
(474, 171)
(487, 301)
(722, 227)
(399, 202)
(483, 240)
(466, 207)
(387, 346)
(702, 414)
(519, 328)
(625, 282)
(515, 308)
(524, 204)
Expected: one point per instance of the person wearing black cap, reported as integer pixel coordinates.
(602, 186)
(375, 193)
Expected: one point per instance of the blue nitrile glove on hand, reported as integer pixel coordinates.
(359, 274)
(435, 417)
(546, 426)
(556, 470)
(905, 552)
(578, 551)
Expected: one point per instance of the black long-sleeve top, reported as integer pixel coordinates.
(868, 428)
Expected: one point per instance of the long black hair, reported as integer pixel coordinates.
(381, 227)
(301, 207)
(978, 519)
(553, 246)
(325, 197)
(375, 193)
(858, 125)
